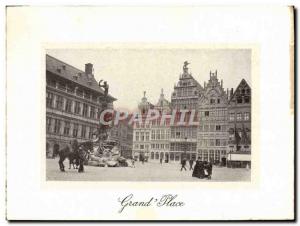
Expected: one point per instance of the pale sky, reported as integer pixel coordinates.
(129, 72)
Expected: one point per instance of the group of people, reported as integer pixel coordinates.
(202, 169)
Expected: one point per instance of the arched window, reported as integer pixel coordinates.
(156, 155)
(172, 156)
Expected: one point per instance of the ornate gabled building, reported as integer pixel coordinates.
(212, 131)
(141, 131)
(74, 102)
(184, 97)
(239, 121)
(160, 132)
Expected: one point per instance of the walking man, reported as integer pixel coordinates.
(183, 163)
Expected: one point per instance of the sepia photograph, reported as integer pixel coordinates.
(148, 114)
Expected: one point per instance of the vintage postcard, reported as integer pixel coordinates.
(157, 118)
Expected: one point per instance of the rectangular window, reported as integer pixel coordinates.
(77, 107)
(92, 112)
(153, 135)
(142, 146)
(217, 155)
(239, 100)
(157, 146)
(62, 86)
(83, 131)
(75, 130)
(239, 116)
(79, 93)
(137, 136)
(206, 113)
(48, 124)
(85, 110)
(211, 155)
(52, 83)
(57, 125)
(59, 102)
(218, 143)
(162, 146)
(68, 106)
(142, 136)
(205, 155)
(247, 99)
(231, 117)
(91, 133)
(218, 128)
(49, 100)
(157, 134)
(167, 146)
(67, 128)
(152, 146)
(246, 116)
(162, 134)
(147, 136)
(70, 89)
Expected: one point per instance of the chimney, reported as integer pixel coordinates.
(89, 70)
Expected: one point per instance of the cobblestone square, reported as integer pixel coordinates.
(148, 171)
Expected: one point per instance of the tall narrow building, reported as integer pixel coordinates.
(160, 132)
(184, 97)
(239, 111)
(212, 130)
(141, 131)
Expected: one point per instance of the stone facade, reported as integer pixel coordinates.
(210, 138)
(184, 97)
(73, 104)
(213, 122)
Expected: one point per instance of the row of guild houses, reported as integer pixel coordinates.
(221, 134)
(74, 101)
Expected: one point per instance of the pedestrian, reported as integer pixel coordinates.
(133, 162)
(198, 169)
(183, 163)
(161, 160)
(191, 164)
(209, 170)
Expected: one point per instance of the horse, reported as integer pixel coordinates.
(79, 154)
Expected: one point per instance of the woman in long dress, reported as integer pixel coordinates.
(198, 169)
